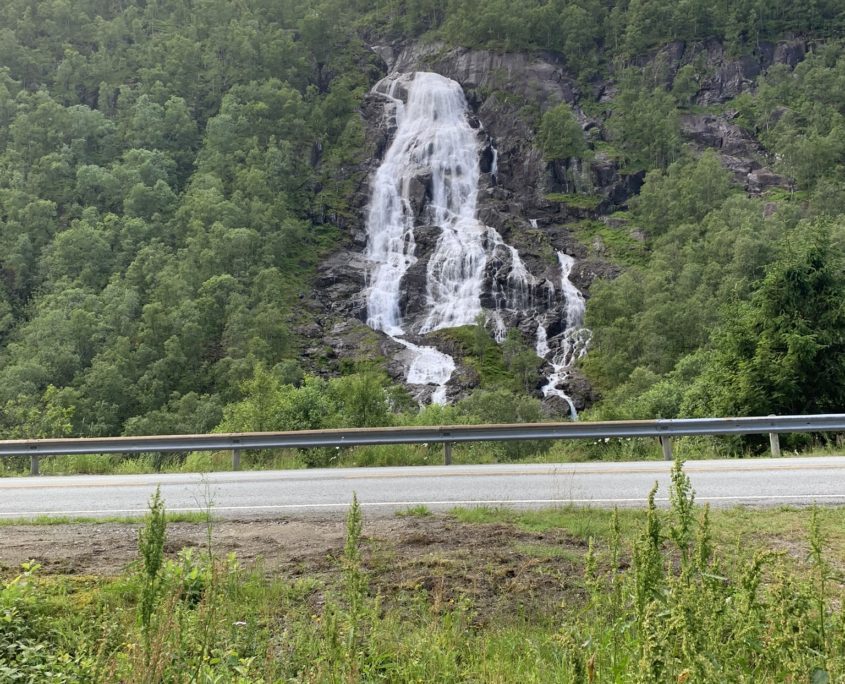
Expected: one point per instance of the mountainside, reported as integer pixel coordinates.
(187, 222)
(547, 194)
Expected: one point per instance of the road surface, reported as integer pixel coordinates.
(759, 482)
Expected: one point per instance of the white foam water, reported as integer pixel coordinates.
(434, 139)
(573, 342)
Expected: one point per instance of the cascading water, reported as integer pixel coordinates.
(434, 140)
(573, 341)
(430, 177)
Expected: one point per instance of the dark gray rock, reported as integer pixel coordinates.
(354, 340)
(717, 132)
(414, 283)
(310, 330)
(537, 78)
(761, 180)
(586, 271)
(580, 390)
(790, 53)
(419, 192)
(738, 150)
(740, 167)
(340, 283)
(729, 77)
(556, 409)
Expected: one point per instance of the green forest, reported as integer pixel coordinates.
(171, 172)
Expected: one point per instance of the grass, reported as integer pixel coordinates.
(785, 521)
(581, 523)
(587, 202)
(784, 195)
(481, 353)
(618, 243)
(677, 595)
(420, 511)
(181, 517)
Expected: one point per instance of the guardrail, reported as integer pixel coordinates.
(665, 430)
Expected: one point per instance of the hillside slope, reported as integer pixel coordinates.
(183, 194)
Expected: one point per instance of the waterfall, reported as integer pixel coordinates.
(573, 341)
(433, 140)
(429, 177)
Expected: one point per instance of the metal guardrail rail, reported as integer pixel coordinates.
(665, 430)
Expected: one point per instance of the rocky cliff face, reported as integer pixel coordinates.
(520, 194)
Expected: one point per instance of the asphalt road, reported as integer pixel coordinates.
(758, 482)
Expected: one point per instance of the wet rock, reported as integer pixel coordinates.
(485, 163)
(519, 190)
(413, 298)
(556, 408)
(419, 192)
(627, 186)
(462, 382)
(580, 391)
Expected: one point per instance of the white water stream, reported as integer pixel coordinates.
(433, 139)
(435, 148)
(573, 341)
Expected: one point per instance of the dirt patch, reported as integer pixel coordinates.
(493, 565)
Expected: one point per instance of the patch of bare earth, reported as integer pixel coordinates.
(497, 566)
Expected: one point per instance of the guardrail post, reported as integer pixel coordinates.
(34, 464)
(774, 442)
(447, 453)
(236, 459)
(666, 445)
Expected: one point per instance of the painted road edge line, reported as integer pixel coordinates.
(456, 502)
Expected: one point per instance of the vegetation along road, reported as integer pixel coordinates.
(759, 482)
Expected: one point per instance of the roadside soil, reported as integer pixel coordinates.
(494, 564)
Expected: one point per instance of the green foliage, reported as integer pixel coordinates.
(617, 243)
(560, 135)
(159, 198)
(511, 366)
(271, 404)
(681, 501)
(685, 85)
(782, 351)
(502, 406)
(644, 123)
(650, 612)
(653, 316)
(685, 193)
(798, 115)
(151, 541)
(575, 201)
(50, 415)
(170, 177)
(625, 30)
(356, 583)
